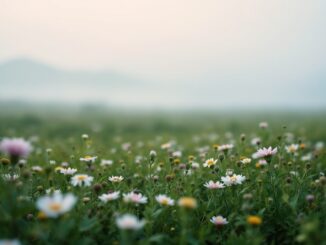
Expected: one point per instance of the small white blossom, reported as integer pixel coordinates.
(225, 147)
(210, 162)
(52, 162)
(233, 180)
(177, 154)
(37, 169)
(291, 148)
(133, 197)
(85, 136)
(115, 179)
(10, 177)
(88, 159)
(245, 161)
(306, 158)
(164, 200)
(214, 185)
(129, 222)
(263, 124)
(109, 196)
(265, 152)
(195, 165)
(219, 220)
(68, 171)
(256, 141)
(105, 162)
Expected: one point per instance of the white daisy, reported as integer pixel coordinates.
(164, 200)
(195, 165)
(245, 160)
(214, 185)
(88, 159)
(116, 179)
(52, 162)
(233, 180)
(166, 146)
(68, 171)
(109, 196)
(306, 158)
(263, 124)
(10, 177)
(319, 145)
(126, 146)
(291, 148)
(136, 198)
(265, 152)
(225, 147)
(37, 169)
(129, 222)
(210, 162)
(177, 154)
(81, 179)
(57, 204)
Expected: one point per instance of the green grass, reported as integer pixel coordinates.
(275, 195)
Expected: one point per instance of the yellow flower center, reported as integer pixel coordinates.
(210, 163)
(55, 206)
(164, 201)
(81, 177)
(233, 178)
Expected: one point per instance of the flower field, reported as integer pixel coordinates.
(163, 180)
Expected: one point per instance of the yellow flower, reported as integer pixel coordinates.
(41, 215)
(176, 161)
(187, 202)
(254, 220)
(191, 158)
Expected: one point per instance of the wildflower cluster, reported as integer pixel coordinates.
(208, 188)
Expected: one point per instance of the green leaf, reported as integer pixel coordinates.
(87, 224)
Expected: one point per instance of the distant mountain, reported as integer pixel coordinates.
(29, 73)
(30, 81)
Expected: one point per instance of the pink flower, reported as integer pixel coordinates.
(17, 147)
(265, 152)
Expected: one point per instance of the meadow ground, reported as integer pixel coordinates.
(95, 178)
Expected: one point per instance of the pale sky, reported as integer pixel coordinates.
(212, 52)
